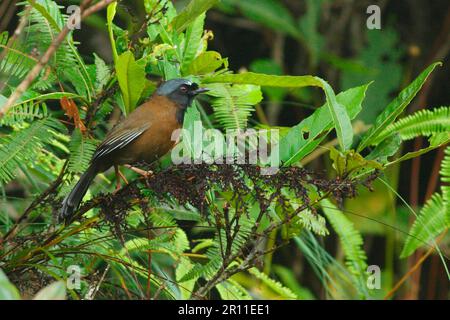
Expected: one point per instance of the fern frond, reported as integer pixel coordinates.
(233, 104)
(421, 123)
(432, 220)
(81, 151)
(350, 239)
(24, 111)
(22, 146)
(15, 62)
(445, 178)
(231, 290)
(285, 293)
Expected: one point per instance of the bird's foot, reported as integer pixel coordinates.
(119, 175)
(144, 173)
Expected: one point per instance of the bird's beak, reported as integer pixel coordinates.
(198, 91)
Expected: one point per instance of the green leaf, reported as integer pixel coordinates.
(110, 13)
(269, 13)
(338, 112)
(131, 77)
(206, 62)
(269, 66)
(385, 149)
(432, 220)
(7, 290)
(190, 13)
(349, 238)
(395, 108)
(304, 137)
(351, 162)
(54, 291)
(192, 42)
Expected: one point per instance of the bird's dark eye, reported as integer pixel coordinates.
(184, 89)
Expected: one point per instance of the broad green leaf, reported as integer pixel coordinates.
(269, 13)
(338, 112)
(432, 220)
(269, 66)
(346, 163)
(192, 42)
(396, 107)
(190, 13)
(304, 137)
(7, 290)
(110, 13)
(206, 62)
(131, 77)
(54, 291)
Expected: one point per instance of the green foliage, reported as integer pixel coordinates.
(81, 151)
(350, 239)
(194, 9)
(395, 108)
(155, 252)
(21, 147)
(432, 221)
(422, 123)
(379, 58)
(233, 105)
(131, 77)
(303, 138)
(338, 112)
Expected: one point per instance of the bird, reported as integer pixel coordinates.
(145, 135)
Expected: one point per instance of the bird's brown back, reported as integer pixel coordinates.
(159, 114)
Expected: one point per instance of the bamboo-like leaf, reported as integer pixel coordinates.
(396, 107)
(190, 13)
(131, 77)
(304, 137)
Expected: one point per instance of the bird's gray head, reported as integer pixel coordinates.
(181, 91)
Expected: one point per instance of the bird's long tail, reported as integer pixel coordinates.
(73, 199)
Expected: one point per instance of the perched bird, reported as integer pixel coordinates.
(143, 136)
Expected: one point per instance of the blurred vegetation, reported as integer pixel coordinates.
(387, 124)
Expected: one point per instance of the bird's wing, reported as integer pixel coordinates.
(119, 140)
